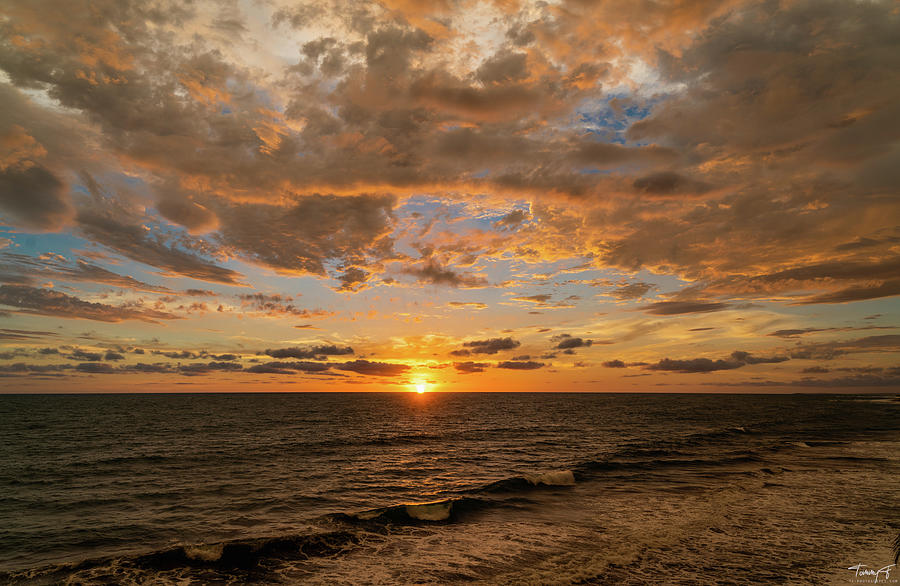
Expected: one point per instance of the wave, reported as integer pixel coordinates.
(591, 468)
(342, 531)
(224, 557)
(442, 511)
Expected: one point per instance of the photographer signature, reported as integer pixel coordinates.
(864, 571)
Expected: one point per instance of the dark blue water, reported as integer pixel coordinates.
(541, 488)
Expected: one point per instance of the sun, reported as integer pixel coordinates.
(420, 388)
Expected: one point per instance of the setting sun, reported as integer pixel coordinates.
(420, 388)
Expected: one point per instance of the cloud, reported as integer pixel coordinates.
(833, 349)
(28, 270)
(79, 354)
(489, 346)
(353, 279)
(472, 304)
(271, 368)
(30, 300)
(614, 364)
(24, 368)
(889, 379)
(543, 300)
(430, 271)
(177, 354)
(815, 370)
(565, 341)
(374, 368)
(799, 332)
(201, 368)
(316, 352)
(134, 242)
(681, 307)
(512, 219)
(302, 236)
(631, 291)
(34, 198)
(276, 306)
(858, 293)
(514, 365)
(95, 368)
(703, 365)
(470, 367)
(10, 334)
(754, 141)
(540, 299)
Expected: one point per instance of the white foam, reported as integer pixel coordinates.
(561, 478)
(206, 553)
(437, 511)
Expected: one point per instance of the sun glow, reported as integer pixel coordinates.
(420, 388)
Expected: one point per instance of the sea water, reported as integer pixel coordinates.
(383, 488)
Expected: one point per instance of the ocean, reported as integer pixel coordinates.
(443, 488)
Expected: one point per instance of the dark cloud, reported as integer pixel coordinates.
(680, 307)
(489, 346)
(54, 303)
(665, 183)
(353, 279)
(540, 299)
(747, 358)
(798, 332)
(374, 368)
(32, 197)
(512, 219)
(834, 349)
(702, 365)
(8, 334)
(95, 368)
(513, 365)
(177, 354)
(201, 368)
(27, 270)
(470, 367)
(430, 271)
(276, 305)
(631, 291)
(83, 355)
(565, 341)
(887, 380)
(695, 365)
(815, 370)
(24, 368)
(317, 352)
(857, 293)
(136, 243)
(158, 367)
(614, 364)
(312, 230)
(271, 368)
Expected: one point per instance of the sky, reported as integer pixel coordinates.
(621, 195)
